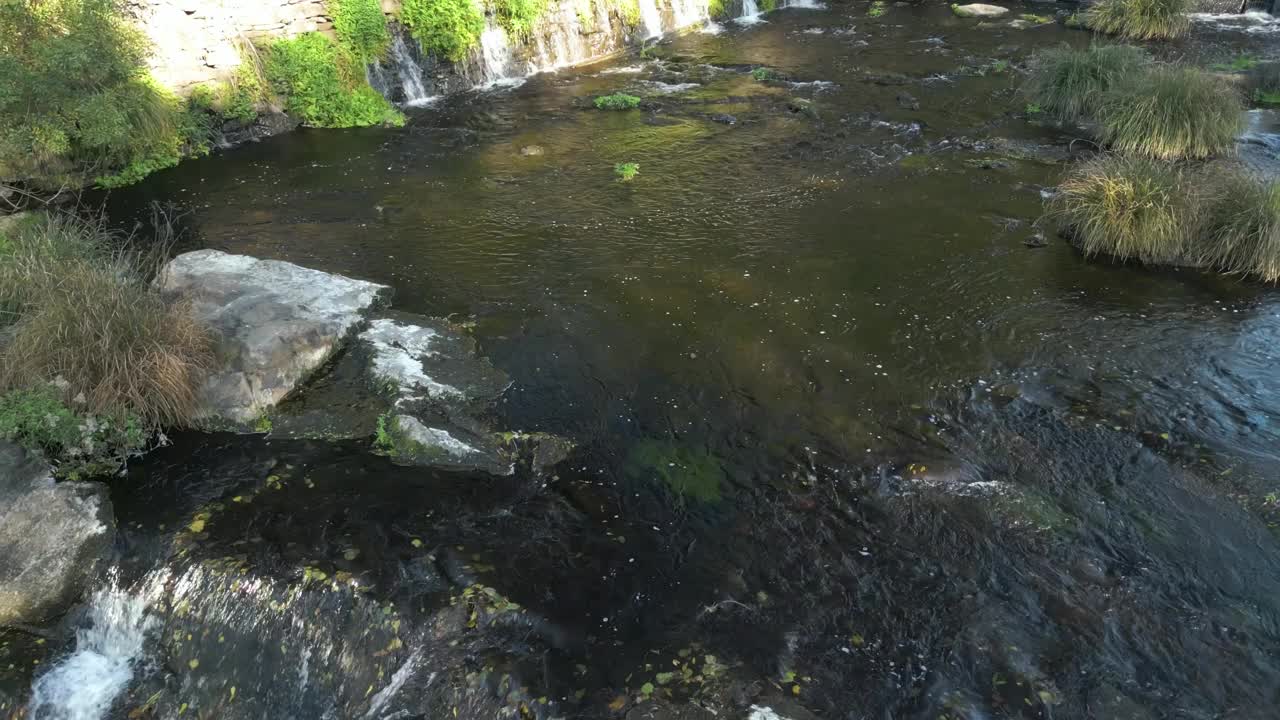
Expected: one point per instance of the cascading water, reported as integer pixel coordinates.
(410, 73)
(495, 54)
(651, 18)
(750, 12)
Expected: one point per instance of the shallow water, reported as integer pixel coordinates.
(839, 429)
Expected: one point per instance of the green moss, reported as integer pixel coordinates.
(361, 27)
(617, 101)
(1237, 64)
(1264, 97)
(518, 17)
(689, 473)
(79, 445)
(263, 424)
(323, 86)
(448, 28)
(626, 172)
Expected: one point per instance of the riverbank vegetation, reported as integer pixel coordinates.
(1071, 84)
(323, 84)
(93, 358)
(1139, 19)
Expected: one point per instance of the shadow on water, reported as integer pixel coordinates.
(847, 447)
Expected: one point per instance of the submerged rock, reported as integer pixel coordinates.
(53, 537)
(979, 10)
(275, 323)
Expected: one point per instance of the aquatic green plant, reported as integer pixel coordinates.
(80, 308)
(617, 101)
(878, 8)
(323, 86)
(1140, 19)
(1171, 113)
(1129, 207)
(1263, 83)
(626, 172)
(76, 100)
(518, 17)
(762, 74)
(1240, 63)
(1037, 19)
(448, 28)
(1070, 84)
(1242, 225)
(1033, 109)
(689, 473)
(361, 27)
(78, 444)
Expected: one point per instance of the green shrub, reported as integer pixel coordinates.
(626, 172)
(75, 100)
(518, 17)
(361, 27)
(1242, 226)
(629, 12)
(878, 8)
(716, 8)
(80, 445)
(323, 86)
(1070, 84)
(1172, 112)
(448, 28)
(81, 310)
(762, 74)
(1140, 19)
(1128, 207)
(617, 101)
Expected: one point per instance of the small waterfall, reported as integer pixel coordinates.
(651, 17)
(83, 685)
(688, 12)
(495, 54)
(750, 12)
(409, 72)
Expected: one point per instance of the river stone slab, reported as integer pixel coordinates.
(979, 10)
(275, 323)
(54, 537)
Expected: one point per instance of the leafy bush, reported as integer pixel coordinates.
(716, 8)
(323, 86)
(82, 311)
(80, 445)
(878, 8)
(1070, 83)
(75, 100)
(1172, 112)
(1242, 221)
(762, 74)
(518, 17)
(448, 28)
(617, 101)
(1140, 19)
(629, 12)
(361, 27)
(1128, 207)
(626, 172)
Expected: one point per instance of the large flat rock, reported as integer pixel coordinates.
(979, 10)
(276, 323)
(53, 537)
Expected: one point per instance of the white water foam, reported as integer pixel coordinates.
(83, 685)
(651, 18)
(408, 71)
(750, 13)
(398, 679)
(804, 4)
(1253, 22)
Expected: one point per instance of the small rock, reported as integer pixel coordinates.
(979, 10)
(802, 106)
(532, 150)
(907, 101)
(1036, 240)
(724, 119)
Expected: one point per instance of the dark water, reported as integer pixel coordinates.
(847, 446)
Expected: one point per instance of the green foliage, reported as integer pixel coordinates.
(81, 309)
(382, 439)
(1128, 207)
(448, 28)
(1034, 109)
(1263, 83)
(617, 101)
(1263, 97)
(80, 445)
(762, 74)
(1140, 19)
(518, 17)
(1170, 113)
(1240, 63)
(768, 5)
(689, 473)
(626, 172)
(361, 28)
(878, 8)
(323, 85)
(1070, 84)
(716, 8)
(75, 99)
(629, 12)
(1037, 19)
(1242, 225)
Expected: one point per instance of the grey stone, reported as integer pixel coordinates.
(54, 537)
(979, 10)
(275, 323)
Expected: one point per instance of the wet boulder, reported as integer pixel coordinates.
(275, 324)
(979, 10)
(53, 537)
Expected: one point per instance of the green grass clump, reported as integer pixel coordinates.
(518, 17)
(323, 86)
(1128, 207)
(617, 101)
(1140, 19)
(448, 28)
(361, 27)
(1171, 113)
(878, 8)
(1070, 84)
(1242, 226)
(626, 172)
(1263, 83)
(762, 74)
(1237, 64)
(80, 445)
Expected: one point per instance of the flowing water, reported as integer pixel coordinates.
(847, 447)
